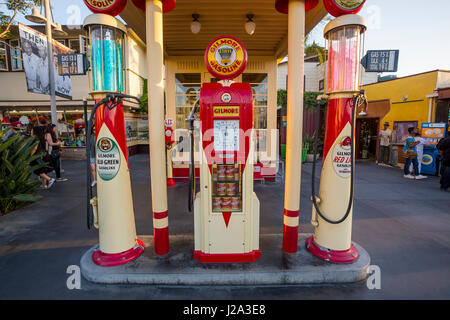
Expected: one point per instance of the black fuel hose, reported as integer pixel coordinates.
(116, 98)
(190, 120)
(352, 136)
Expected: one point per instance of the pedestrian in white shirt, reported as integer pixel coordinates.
(419, 148)
(385, 142)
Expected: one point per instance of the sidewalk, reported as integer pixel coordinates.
(403, 224)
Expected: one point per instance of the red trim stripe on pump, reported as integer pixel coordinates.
(115, 121)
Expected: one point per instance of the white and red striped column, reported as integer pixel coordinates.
(296, 49)
(161, 232)
(155, 71)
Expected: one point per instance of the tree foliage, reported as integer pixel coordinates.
(309, 99)
(14, 7)
(16, 185)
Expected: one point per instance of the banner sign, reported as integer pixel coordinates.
(35, 63)
(381, 60)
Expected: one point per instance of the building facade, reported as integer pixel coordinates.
(17, 103)
(402, 102)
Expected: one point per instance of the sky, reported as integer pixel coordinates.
(419, 29)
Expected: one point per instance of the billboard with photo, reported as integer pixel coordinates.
(35, 63)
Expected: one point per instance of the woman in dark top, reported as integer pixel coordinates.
(46, 181)
(52, 148)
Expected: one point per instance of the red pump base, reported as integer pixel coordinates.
(117, 259)
(227, 257)
(170, 182)
(344, 256)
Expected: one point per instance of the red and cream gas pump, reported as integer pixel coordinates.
(333, 207)
(226, 210)
(113, 212)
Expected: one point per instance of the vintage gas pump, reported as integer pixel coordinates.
(226, 210)
(113, 212)
(332, 208)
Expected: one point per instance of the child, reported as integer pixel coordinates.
(410, 151)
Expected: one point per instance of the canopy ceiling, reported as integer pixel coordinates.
(219, 17)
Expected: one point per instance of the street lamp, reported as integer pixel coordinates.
(36, 17)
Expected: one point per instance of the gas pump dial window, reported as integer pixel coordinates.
(226, 135)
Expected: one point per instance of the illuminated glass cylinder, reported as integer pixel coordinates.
(107, 36)
(344, 37)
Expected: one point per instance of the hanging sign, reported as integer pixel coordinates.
(226, 57)
(111, 7)
(381, 60)
(72, 64)
(340, 7)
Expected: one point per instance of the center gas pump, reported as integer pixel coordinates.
(333, 206)
(226, 210)
(113, 212)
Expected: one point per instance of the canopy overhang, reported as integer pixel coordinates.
(219, 17)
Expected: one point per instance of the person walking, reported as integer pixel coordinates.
(46, 181)
(444, 149)
(385, 142)
(52, 148)
(410, 152)
(418, 138)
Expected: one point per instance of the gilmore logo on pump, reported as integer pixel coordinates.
(111, 7)
(226, 57)
(226, 111)
(101, 4)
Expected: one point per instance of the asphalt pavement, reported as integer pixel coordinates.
(403, 224)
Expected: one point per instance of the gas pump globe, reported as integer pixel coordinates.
(333, 207)
(106, 37)
(344, 43)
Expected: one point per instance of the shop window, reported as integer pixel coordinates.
(400, 130)
(74, 44)
(186, 93)
(258, 82)
(3, 59)
(16, 57)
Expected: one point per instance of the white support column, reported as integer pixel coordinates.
(154, 27)
(296, 48)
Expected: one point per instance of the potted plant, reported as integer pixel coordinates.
(308, 145)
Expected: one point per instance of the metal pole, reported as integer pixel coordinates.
(296, 49)
(51, 71)
(154, 26)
